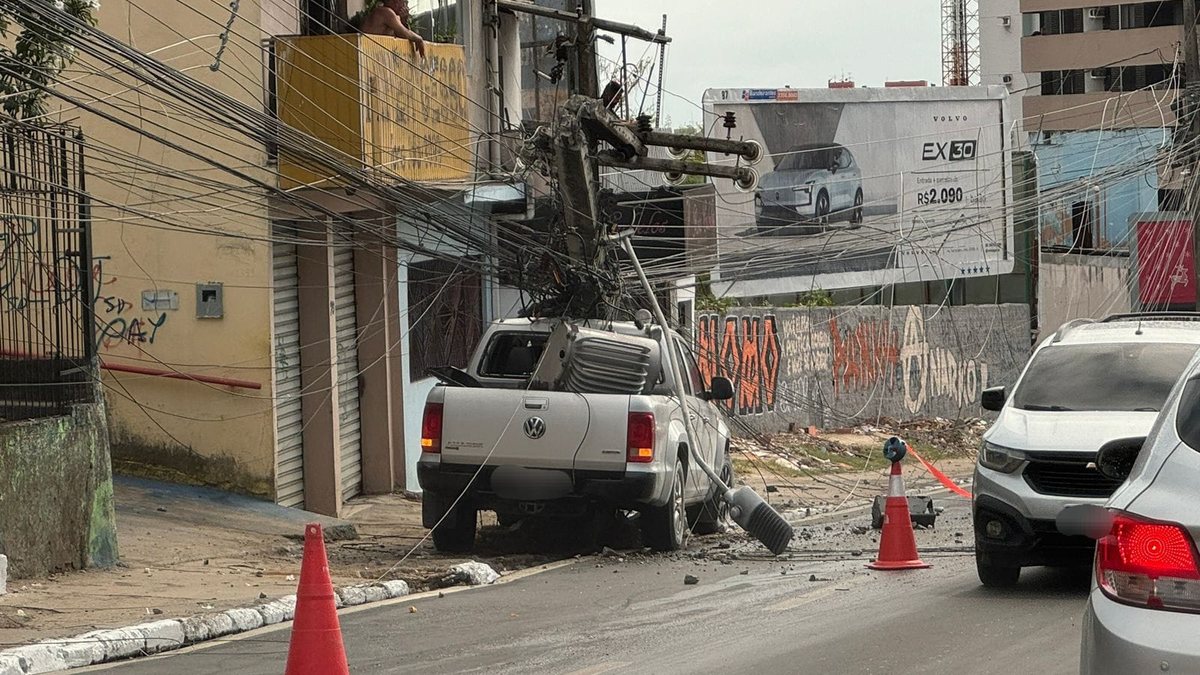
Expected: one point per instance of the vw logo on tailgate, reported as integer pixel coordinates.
(535, 427)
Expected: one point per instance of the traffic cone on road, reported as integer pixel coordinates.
(316, 647)
(897, 544)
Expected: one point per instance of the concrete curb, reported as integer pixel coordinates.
(101, 646)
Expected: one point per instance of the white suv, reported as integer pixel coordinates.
(1091, 383)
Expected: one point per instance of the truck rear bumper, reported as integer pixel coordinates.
(505, 487)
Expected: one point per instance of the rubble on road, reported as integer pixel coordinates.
(470, 573)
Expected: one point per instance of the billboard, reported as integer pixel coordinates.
(864, 187)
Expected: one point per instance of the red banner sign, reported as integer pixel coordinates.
(1166, 271)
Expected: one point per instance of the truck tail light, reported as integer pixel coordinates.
(1149, 564)
(640, 437)
(431, 428)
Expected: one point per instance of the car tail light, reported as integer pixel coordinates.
(640, 437)
(431, 428)
(1149, 564)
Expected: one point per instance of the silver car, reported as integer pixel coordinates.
(811, 186)
(1143, 612)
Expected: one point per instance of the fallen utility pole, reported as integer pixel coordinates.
(582, 17)
(747, 508)
(586, 136)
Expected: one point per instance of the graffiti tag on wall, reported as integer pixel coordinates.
(30, 275)
(119, 321)
(856, 362)
(746, 350)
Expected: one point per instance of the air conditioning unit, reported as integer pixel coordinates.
(1097, 13)
(1098, 73)
(1007, 78)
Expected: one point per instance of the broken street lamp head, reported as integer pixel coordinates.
(895, 449)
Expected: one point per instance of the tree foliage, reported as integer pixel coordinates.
(39, 53)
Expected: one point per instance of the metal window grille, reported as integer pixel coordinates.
(47, 330)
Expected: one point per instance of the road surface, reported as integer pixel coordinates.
(753, 614)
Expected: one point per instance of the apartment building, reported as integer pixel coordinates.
(1094, 86)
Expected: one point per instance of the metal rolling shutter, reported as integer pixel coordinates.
(346, 320)
(289, 424)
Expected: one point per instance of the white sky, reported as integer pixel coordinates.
(773, 43)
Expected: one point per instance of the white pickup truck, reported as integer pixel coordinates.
(546, 421)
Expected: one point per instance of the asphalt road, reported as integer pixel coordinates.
(752, 614)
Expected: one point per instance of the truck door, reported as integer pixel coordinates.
(700, 413)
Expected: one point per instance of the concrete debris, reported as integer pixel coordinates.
(690, 580)
(471, 573)
(412, 609)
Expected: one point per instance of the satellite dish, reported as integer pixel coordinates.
(747, 182)
(675, 178)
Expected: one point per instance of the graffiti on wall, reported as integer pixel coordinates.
(746, 350)
(854, 361)
(30, 275)
(118, 320)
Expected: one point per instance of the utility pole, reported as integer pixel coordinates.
(1191, 53)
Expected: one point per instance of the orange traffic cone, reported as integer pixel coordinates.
(897, 545)
(316, 647)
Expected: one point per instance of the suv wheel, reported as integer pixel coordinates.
(996, 576)
(456, 533)
(712, 517)
(665, 528)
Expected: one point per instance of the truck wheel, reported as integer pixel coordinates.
(456, 534)
(664, 528)
(713, 515)
(992, 575)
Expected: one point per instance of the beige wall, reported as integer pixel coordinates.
(177, 429)
(1108, 110)
(1096, 49)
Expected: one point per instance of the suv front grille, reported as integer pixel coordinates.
(1068, 478)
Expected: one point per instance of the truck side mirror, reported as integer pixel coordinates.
(993, 398)
(1115, 459)
(720, 389)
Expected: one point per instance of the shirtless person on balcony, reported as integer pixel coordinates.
(391, 17)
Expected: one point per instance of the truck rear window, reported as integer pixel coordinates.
(512, 355)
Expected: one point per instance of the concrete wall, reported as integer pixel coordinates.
(835, 365)
(1080, 286)
(56, 496)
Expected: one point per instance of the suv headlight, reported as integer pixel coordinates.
(997, 458)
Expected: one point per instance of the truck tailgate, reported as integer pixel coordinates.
(537, 429)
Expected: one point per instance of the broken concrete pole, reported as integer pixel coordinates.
(3, 574)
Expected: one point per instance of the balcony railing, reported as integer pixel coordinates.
(374, 100)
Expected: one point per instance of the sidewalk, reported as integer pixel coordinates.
(188, 550)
